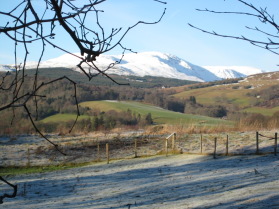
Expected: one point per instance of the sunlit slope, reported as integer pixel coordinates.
(218, 95)
(159, 115)
(234, 94)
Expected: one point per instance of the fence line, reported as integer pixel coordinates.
(270, 138)
(203, 142)
(140, 146)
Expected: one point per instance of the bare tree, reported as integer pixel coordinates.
(261, 14)
(26, 24)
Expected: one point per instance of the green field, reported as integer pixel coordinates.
(159, 115)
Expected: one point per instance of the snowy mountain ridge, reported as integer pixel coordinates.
(151, 64)
(6, 68)
(233, 71)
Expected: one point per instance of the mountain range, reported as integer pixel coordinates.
(151, 64)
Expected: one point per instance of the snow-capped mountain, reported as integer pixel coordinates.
(6, 68)
(140, 64)
(152, 64)
(233, 71)
(163, 65)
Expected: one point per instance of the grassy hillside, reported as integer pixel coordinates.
(236, 94)
(159, 115)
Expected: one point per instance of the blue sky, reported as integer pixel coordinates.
(172, 34)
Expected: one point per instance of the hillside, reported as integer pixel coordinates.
(133, 81)
(57, 109)
(198, 103)
(159, 115)
(249, 94)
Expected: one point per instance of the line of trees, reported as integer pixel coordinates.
(96, 121)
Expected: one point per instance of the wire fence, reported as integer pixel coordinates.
(106, 150)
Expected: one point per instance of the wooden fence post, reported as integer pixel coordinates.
(107, 151)
(173, 141)
(275, 144)
(136, 147)
(166, 147)
(215, 147)
(98, 152)
(28, 158)
(227, 146)
(257, 143)
(201, 143)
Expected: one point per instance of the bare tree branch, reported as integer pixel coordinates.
(25, 24)
(263, 16)
(13, 195)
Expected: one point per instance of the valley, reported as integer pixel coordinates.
(237, 101)
(123, 135)
(139, 104)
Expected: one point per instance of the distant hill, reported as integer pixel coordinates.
(254, 94)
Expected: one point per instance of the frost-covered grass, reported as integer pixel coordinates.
(181, 181)
(176, 181)
(33, 151)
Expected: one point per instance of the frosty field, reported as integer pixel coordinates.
(179, 181)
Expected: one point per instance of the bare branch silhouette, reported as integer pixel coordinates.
(26, 24)
(260, 14)
(14, 187)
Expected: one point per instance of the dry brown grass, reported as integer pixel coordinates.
(84, 148)
(190, 129)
